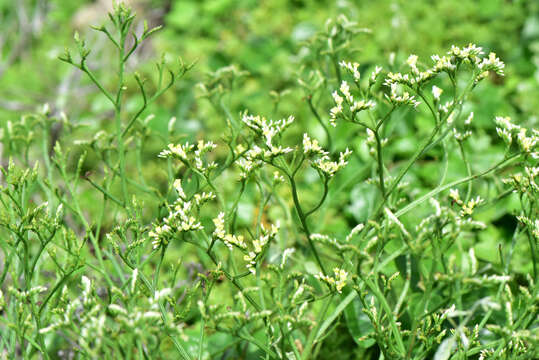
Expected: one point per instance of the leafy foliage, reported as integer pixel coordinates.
(314, 192)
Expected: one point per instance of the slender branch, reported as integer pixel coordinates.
(320, 121)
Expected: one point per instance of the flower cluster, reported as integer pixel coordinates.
(268, 130)
(229, 239)
(311, 147)
(461, 136)
(525, 182)
(253, 158)
(319, 158)
(338, 282)
(259, 245)
(138, 318)
(398, 96)
(87, 310)
(449, 63)
(237, 241)
(531, 224)
(347, 107)
(328, 167)
(509, 131)
(181, 218)
(466, 207)
(352, 68)
(191, 155)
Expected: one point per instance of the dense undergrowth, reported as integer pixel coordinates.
(372, 209)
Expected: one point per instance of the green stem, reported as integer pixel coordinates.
(303, 220)
(313, 336)
(380, 164)
(320, 121)
(468, 169)
(390, 315)
(118, 117)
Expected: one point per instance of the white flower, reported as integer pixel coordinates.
(352, 68)
(505, 122)
(178, 150)
(337, 98)
(412, 62)
(247, 166)
(312, 146)
(436, 93)
(286, 253)
(219, 222)
(268, 130)
(158, 234)
(179, 188)
(375, 74)
(234, 240)
(469, 119)
(259, 245)
(443, 63)
(334, 112)
(526, 143)
(229, 239)
(454, 195)
(362, 105)
(345, 90)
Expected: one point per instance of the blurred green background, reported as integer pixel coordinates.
(263, 37)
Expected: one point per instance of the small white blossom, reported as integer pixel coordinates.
(505, 135)
(286, 253)
(362, 105)
(179, 150)
(352, 68)
(454, 195)
(526, 143)
(337, 98)
(492, 63)
(229, 239)
(219, 222)
(505, 123)
(158, 234)
(436, 93)
(412, 62)
(345, 90)
(179, 188)
(259, 245)
(268, 130)
(375, 74)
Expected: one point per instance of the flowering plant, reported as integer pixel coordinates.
(245, 237)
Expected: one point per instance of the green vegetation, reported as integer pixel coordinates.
(289, 180)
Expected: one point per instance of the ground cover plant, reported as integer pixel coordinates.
(344, 203)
